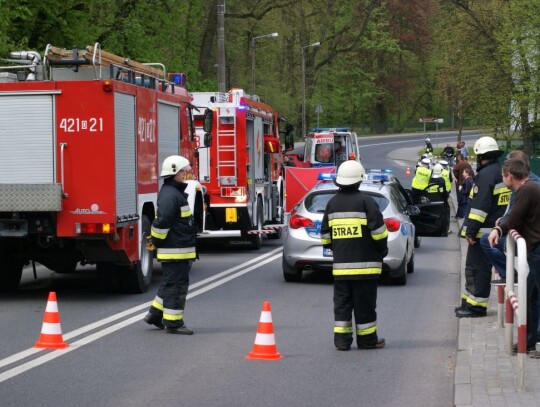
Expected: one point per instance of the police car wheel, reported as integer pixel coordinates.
(291, 274)
(417, 241)
(402, 274)
(410, 265)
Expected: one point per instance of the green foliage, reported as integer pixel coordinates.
(380, 66)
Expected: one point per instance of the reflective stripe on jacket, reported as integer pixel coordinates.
(488, 199)
(354, 228)
(173, 229)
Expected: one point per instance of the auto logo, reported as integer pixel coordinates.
(93, 210)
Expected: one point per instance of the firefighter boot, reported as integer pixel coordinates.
(179, 330)
(378, 344)
(343, 341)
(154, 320)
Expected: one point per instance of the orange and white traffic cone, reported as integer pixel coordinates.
(51, 331)
(265, 343)
(408, 172)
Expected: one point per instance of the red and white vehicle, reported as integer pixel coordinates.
(324, 151)
(83, 134)
(241, 167)
(327, 148)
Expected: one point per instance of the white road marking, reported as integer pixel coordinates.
(234, 272)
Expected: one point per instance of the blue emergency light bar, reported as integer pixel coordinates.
(326, 176)
(330, 129)
(178, 79)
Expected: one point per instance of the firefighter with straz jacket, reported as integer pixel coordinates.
(487, 203)
(354, 229)
(174, 234)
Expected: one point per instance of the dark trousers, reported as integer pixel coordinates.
(477, 280)
(533, 289)
(170, 300)
(359, 296)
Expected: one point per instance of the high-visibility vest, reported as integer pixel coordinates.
(446, 176)
(421, 178)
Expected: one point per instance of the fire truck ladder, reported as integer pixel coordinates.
(226, 150)
(97, 58)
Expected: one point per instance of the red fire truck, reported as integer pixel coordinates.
(241, 167)
(83, 134)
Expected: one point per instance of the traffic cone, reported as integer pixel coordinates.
(265, 343)
(408, 172)
(51, 331)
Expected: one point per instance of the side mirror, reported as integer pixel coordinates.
(207, 139)
(208, 121)
(289, 137)
(413, 210)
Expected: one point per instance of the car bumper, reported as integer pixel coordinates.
(301, 251)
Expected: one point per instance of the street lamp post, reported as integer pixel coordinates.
(253, 45)
(315, 44)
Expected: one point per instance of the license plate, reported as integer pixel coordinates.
(327, 252)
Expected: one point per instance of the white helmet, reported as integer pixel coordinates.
(426, 161)
(172, 164)
(485, 144)
(349, 173)
(437, 169)
(428, 140)
(443, 162)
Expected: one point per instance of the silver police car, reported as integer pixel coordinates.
(302, 249)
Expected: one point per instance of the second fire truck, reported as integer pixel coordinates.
(241, 167)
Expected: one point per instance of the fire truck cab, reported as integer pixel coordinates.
(83, 134)
(328, 147)
(240, 165)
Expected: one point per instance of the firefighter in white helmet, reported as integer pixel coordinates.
(174, 234)
(354, 229)
(487, 203)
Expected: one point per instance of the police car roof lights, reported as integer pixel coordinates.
(326, 176)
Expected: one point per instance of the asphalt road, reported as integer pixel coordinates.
(116, 359)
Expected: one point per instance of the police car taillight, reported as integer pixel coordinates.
(297, 222)
(392, 224)
(94, 228)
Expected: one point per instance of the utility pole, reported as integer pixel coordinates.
(221, 46)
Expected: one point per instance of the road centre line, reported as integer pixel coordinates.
(260, 261)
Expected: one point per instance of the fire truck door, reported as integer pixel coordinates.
(204, 159)
(168, 133)
(250, 133)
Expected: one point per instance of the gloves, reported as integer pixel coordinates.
(150, 246)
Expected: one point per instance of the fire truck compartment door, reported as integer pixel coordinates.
(27, 139)
(125, 156)
(168, 131)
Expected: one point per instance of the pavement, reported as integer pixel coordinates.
(485, 374)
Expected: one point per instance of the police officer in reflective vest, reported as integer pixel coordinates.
(487, 203)
(447, 175)
(174, 234)
(354, 229)
(420, 180)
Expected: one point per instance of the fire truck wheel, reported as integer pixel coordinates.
(10, 269)
(256, 240)
(137, 277)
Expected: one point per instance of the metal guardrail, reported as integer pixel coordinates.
(515, 303)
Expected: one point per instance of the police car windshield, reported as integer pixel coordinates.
(316, 202)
